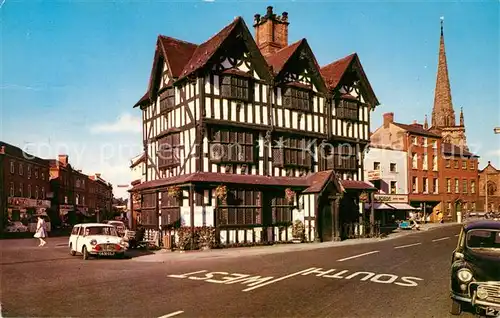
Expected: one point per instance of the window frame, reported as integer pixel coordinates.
(226, 140)
(344, 109)
(169, 148)
(167, 99)
(231, 90)
(292, 99)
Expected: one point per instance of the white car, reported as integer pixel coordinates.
(95, 239)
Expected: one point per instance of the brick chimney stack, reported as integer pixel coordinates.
(63, 159)
(271, 31)
(388, 119)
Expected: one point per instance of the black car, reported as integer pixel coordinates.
(475, 269)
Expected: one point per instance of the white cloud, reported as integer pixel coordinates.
(494, 152)
(124, 123)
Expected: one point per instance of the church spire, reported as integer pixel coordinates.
(426, 123)
(443, 114)
(462, 117)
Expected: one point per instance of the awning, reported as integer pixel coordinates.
(379, 206)
(402, 206)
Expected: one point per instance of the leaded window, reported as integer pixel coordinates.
(229, 145)
(281, 209)
(167, 99)
(289, 151)
(299, 99)
(169, 151)
(242, 208)
(340, 157)
(235, 87)
(347, 109)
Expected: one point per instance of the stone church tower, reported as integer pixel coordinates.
(443, 115)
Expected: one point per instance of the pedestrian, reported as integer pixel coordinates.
(41, 231)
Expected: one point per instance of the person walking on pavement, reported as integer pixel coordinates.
(41, 231)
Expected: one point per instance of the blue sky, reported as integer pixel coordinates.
(71, 71)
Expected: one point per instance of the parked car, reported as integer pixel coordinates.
(119, 225)
(475, 269)
(16, 226)
(95, 239)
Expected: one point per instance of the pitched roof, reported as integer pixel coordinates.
(278, 60)
(332, 73)
(137, 161)
(207, 49)
(489, 165)
(177, 53)
(454, 150)
(318, 181)
(357, 185)
(417, 130)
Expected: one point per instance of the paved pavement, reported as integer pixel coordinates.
(406, 276)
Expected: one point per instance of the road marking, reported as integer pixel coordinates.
(279, 279)
(441, 239)
(62, 244)
(405, 281)
(409, 245)
(175, 313)
(356, 256)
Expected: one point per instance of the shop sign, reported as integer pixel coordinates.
(391, 198)
(28, 203)
(374, 175)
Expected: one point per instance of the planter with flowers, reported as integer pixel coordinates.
(298, 231)
(363, 197)
(174, 192)
(289, 195)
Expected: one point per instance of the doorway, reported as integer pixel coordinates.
(325, 221)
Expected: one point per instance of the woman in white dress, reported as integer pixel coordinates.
(41, 231)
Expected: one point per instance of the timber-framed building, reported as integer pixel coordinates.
(233, 127)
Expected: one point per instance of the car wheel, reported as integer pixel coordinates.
(456, 308)
(85, 253)
(71, 251)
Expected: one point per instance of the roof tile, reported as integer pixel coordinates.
(332, 73)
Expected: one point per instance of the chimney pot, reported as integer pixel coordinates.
(415, 121)
(256, 18)
(269, 11)
(284, 16)
(388, 119)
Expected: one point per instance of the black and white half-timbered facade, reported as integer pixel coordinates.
(249, 135)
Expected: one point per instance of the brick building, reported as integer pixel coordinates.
(490, 176)
(101, 196)
(460, 177)
(24, 184)
(423, 159)
(77, 196)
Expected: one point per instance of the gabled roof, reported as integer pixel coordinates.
(207, 49)
(177, 53)
(417, 130)
(319, 180)
(279, 61)
(334, 72)
(137, 161)
(489, 166)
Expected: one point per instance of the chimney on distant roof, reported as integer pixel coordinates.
(388, 119)
(98, 175)
(271, 31)
(63, 159)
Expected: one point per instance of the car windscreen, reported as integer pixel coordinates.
(489, 239)
(100, 230)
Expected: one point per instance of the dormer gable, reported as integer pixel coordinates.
(234, 49)
(347, 79)
(296, 65)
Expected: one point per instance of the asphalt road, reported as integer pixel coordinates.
(403, 277)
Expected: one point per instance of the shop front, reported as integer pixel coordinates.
(391, 208)
(25, 210)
